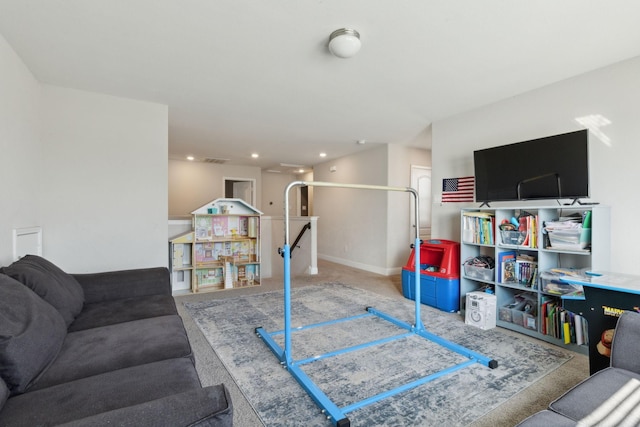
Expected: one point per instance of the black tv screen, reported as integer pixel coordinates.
(554, 167)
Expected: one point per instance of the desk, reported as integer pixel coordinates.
(606, 296)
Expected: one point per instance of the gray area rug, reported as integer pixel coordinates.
(456, 399)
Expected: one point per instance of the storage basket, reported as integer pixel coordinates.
(480, 273)
(577, 239)
(511, 237)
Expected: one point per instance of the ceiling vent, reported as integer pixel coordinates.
(216, 161)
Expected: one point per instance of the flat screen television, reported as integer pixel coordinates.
(554, 167)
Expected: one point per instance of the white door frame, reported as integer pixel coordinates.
(424, 193)
(252, 182)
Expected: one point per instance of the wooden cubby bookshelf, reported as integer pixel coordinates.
(474, 243)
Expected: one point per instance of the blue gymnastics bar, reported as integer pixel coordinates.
(337, 415)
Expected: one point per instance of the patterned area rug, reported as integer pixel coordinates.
(455, 399)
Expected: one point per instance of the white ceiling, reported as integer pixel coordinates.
(244, 76)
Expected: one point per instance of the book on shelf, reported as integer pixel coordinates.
(478, 227)
(547, 309)
(509, 274)
(535, 278)
(529, 224)
(580, 329)
(572, 327)
(553, 320)
(559, 323)
(503, 257)
(566, 329)
(526, 267)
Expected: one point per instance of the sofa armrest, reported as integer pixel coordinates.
(625, 347)
(203, 407)
(113, 285)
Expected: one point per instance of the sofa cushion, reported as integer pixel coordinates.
(105, 392)
(31, 334)
(587, 396)
(110, 285)
(4, 393)
(105, 313)
(108, 348)
(58, 288)
(202, 407)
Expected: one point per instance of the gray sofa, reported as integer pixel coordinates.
(98, 349)
(607, 397)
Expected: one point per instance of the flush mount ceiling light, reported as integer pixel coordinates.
(344, 43)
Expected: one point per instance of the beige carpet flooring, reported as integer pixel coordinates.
(520, 406)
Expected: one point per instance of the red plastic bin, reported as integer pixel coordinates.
(440, 253)
(439, 275)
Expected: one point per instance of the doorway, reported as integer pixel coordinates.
(304, 201)
(240, 188)
(421, 182)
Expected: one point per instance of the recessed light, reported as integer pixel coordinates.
(323, 154)
(361, 142)
(191, 158)
(255, 155)
(300, 170)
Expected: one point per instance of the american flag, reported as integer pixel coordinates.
(458, 189)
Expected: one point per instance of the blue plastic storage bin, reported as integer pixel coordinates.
(443, 294)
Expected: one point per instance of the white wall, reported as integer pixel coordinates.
(367, 229)
(104, 174)
(613, 92)
(272, 239)
(193, 184)
(20, 173)
(400, 230)
(352, 223)
(273, 186)
(90, 169)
